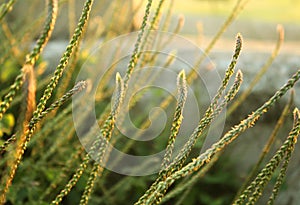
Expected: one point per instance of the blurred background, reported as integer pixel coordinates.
(257, 23)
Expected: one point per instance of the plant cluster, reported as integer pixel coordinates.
(41, 159)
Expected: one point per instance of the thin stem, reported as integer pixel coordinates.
(177, 120)
(268, 145)
(5, 8)
(229, 137)
(261, 72)
(254, 190)
(32, 57)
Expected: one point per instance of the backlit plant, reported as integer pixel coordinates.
(43, 162)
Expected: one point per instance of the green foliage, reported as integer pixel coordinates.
(6, 124)
(41, 159)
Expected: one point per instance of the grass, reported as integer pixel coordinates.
(46, 159)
